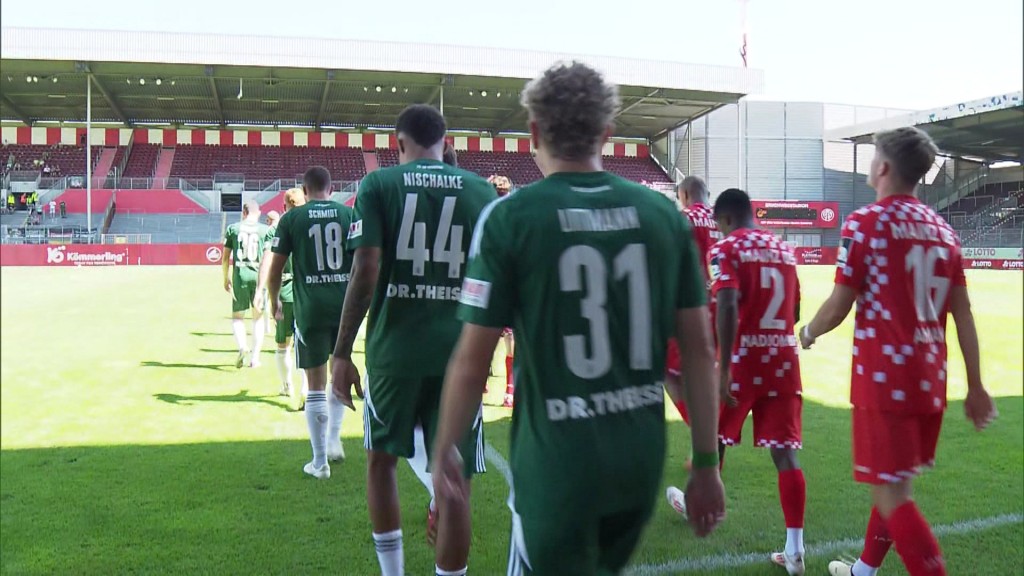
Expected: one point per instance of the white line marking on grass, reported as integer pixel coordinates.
(722, 561)
(829, 548)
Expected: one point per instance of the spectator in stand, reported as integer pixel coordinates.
(47, 170)
(53, 208)
(10, 202)
(449, 156)
(23, 203)
(504, 187)
(63, 209)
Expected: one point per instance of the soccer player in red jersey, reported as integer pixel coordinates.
(757, 294)
(901, 262)
(694, 196)
(504, 187)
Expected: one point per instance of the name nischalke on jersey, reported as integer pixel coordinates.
(421, 180)
(598, 220)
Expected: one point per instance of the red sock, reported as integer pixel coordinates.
(915, 542)
(510, 385)
(793, 496)
(876, 541)
(681, 407)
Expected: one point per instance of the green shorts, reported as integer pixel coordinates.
(313, 346)
(576, 541)
(285, 327)
(242, 294)
(395, 406)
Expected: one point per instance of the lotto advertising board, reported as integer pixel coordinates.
(994, 258)
(796, 214)
(110, 254)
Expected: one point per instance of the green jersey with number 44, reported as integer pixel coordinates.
(421, 215)
(314, 236)
(246, 241)
(589, 269)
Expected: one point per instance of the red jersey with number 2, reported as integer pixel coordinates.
(902, 259)
(763, 269)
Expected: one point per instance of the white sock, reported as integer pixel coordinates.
(316, 420)
(389, 553)
(862, 569)
(284, 365)
(258, 332)
(335, 414)
(418, 462)
(440, 572)
(794, 541)
(238, 329)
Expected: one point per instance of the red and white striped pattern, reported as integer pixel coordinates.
(25, 135)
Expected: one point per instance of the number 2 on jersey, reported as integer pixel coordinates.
(772, 279)
(581, 266)
(412, 239)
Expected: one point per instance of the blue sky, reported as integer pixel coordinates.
(900, 53)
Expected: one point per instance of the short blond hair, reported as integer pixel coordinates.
(573, 106)
(909, 150)
(294, 198)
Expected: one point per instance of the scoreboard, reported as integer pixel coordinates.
(796, 214)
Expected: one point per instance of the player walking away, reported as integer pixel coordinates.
(270, 324)
(245, 244)
(313, 236)
(901, 262)
(285, 325)
(757, 295)
(504, 186)
(594, 273)
(412, 229)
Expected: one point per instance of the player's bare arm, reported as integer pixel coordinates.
(978, 405)
(460, 400)
(705, 495)
(829, 316)
(261, 281)
(226, 268)
(270, 276)
(362, 283)
(727, 320)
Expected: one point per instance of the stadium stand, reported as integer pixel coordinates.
(141, 161)
(265, 163)
(63, 160)
(171, 228)
(637, 169)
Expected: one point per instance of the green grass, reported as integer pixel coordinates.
(130, 444)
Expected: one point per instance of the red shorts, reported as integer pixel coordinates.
(777, 421)
(891, 447)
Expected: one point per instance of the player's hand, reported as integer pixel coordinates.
(258, 300)
(705, 500)
(979, 407)
(277, 309)
(344, 377)
(449, 482)
(724, 380)
(227, 285)
(805, 338)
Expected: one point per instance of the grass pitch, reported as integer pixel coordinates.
(130, 444)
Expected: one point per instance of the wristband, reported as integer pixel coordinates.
(807, 332)
(705, 460)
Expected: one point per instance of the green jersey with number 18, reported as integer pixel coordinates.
(589, 269)
(314, 236)
(421, 215)
(246, 241)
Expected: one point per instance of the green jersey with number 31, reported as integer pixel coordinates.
(314, 236)
(589, 269)
(421, 215)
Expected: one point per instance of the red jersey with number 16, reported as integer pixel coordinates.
(902, 259)
(763, 269)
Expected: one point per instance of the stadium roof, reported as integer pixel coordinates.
(990, 129)
(141, 78)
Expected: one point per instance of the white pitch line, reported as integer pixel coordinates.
(829, 548)
(721, 561)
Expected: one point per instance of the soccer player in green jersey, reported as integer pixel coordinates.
(594, 273)
(284, 327)
(313, 235)
(411, 233)
(245, 244)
